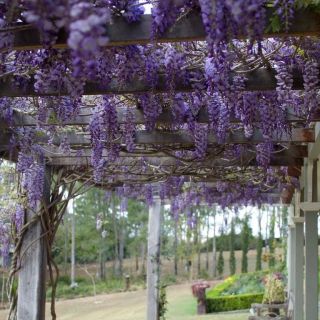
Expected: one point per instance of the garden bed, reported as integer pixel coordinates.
(236, 292)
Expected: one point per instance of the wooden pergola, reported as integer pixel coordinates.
(155, 151)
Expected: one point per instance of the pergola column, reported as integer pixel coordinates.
(290, 258)
(153, 262)
(298, 271)
(32, 274)
(311, 284)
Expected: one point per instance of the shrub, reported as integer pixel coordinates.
(233, 302)
(221, 287)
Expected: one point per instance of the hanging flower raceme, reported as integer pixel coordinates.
(18, 217)
(164, 14)
(152, 108)
(264, 151)
(311, 86)
(201, 140)
(48, 16)
(87, 36)
(129, 130)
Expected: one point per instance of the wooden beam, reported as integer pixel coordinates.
(32, 274)
(259, 80)
(181, 138)
(166, 117)
(276, 161)
(188, 28)
(293, 151)
(309, 206)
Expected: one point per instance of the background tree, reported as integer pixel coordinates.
(272, 238)
(245, 236)
(220, 265)
(259, 243)
(232, 259)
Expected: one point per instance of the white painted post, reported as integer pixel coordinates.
(298, 292)
(153, 264)
(291, 250)
(73, 283)
(32, 274)
(311, 284)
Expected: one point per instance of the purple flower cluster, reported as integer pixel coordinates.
(48, 16)
(311, 86)
(87, 34)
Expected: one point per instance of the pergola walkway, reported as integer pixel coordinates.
(300, 157)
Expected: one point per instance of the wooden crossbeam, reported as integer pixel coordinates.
(166, 117)
(180, 138)
(188, 28)
(259, 80)
(294, 151)
(276, 161)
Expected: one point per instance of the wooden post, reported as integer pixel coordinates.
(311, 283)
(32, 275)
(311, 244)
(298, 271)
(153, 264)
(290, 250)
(73, 248)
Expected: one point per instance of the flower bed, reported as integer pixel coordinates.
(236, 292)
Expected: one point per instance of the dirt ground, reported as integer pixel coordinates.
(132, 305)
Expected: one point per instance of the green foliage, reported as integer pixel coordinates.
(169, 279)
(163, 301)
(274, 290)
(246, 283)
(220, 266)
(218, 290)
(232, 261)
(272, 259)
(259, 252)
(233, 302)
(85, 287)
(236, 292)
(204, 274)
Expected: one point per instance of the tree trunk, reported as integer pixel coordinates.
(198, 244)
(136, 249)
(175, 247)
(116, 238)
(207, 244)
(214, 248)
(143, 258)
(121, 247)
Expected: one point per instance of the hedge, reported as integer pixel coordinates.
(219, 288)
(232, 302)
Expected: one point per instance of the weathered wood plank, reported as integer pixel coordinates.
(32, 274)
(294, 151)
(180, 138)
(188, 28)
(276, 161)
(259, 80)
(166, 117)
